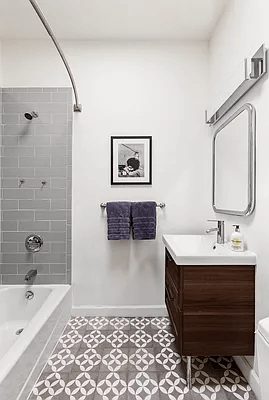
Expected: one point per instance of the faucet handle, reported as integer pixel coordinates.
(215, 220)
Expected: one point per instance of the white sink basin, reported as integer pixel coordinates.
(203, 249)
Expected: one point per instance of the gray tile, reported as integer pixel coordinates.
(65, 90)
(10, 183)
(9, 247)
(50, 89)
(10, 140)
(21, 215)
(50, 193)
(57, 215)
(10, 119)
(9, 226)
(59, 162)
(60, 118)
(34, 97)
(51, 129)
(42, 119)
(59, 97)
(46, 248)
(50, 172)
(18, 172)
(34, 162)
(58, 247)
(9, 269)
(50, 258)
(17, 258)
(51, 108)
(34, 226)
(18, 193)
(56, 279)
(57, 268)
(22, 129)
(58, 204)
(60, 183)
(13, 279)
(22, 151)
(10, 204)
(9, 162)
(54, 236)
(141, 359)
(41, 268)
(58, 140)
(10, 97)
(59, 226)
(11, 236)
(172, 385)
(50, 150)
(35, 89)
(34, 140)
(34, 204)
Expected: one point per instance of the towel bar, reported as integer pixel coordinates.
(161, 205)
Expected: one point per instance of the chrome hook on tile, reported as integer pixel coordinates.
(43, 183)
(22, 181)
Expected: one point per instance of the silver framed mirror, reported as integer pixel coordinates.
(234, 163)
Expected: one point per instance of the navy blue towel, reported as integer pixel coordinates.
(144, 220)
(118, 220)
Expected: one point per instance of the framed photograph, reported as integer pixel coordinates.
(131, 160)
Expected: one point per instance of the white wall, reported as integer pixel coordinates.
(239, 34)
(128, 88)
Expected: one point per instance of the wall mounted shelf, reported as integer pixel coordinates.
(258, 68)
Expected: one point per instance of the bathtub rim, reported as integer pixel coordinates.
(36, 323)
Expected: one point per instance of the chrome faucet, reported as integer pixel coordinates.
(219, 229)
(30, 275)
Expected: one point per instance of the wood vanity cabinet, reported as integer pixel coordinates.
(211, 307)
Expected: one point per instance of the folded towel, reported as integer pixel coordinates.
(116, 209)
(118, 236)
(118, 220)
(144, 220)
(144, 209)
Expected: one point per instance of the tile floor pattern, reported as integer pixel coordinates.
(100, 358)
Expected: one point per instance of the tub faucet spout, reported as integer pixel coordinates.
(30, 275)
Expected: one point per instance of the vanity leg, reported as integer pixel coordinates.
(189, 372)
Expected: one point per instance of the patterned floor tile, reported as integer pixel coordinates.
(142, 359)
(114, 360)
(112, 386)
(173, 386)
(87, 360)
(143, 386)
(80, 386)
(118, 358)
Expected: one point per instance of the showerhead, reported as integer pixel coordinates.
(31, 115)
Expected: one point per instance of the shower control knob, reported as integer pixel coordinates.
(33, 243)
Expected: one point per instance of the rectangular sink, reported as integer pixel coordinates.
(203, 250)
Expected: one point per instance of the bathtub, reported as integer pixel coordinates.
(42, 318)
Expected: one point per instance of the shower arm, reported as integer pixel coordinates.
(77, 106)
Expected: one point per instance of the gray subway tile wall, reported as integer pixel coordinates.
(36, 183)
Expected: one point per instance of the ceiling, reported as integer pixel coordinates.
(112, 19)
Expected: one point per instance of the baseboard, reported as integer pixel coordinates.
(119, 311)
(249, 374)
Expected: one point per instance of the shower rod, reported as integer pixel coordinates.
(77, 106)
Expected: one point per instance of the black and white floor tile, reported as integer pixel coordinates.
(99, 358)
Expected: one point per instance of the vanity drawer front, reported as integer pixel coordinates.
(172, 268)
(225, 289)
(175, 318)
(218, 334)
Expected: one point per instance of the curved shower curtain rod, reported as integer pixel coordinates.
(77, 106)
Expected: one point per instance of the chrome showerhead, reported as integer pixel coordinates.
(31, 115)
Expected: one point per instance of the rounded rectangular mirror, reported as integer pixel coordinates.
(234, 163)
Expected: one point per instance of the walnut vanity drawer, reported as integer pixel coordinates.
(172, 269)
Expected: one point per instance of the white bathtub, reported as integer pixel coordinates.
(42, 318)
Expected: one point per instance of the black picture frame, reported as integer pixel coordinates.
(131, 160)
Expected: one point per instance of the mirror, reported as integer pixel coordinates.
(234, 163)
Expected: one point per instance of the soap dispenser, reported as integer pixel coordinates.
(237, 239)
